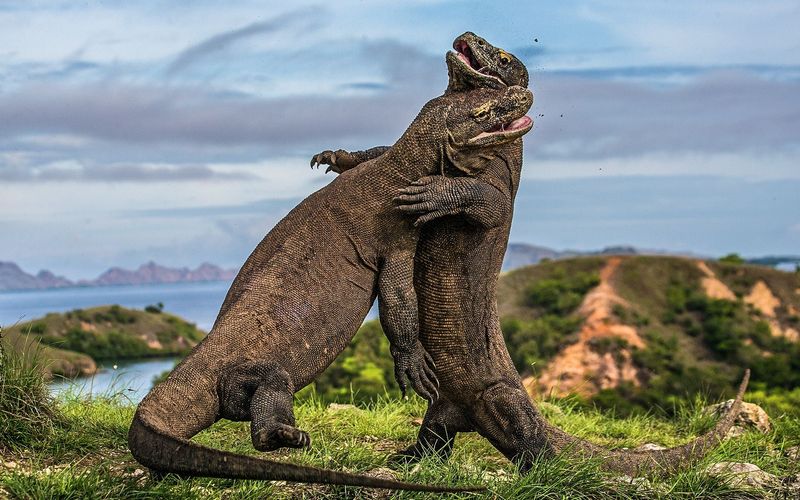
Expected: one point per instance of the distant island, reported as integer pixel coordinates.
(71, 344)
(14, 278)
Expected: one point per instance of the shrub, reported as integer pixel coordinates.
(536, 341)
(363, 371)
(562, 293)
(27, 413)
(155, 308)
(732, 258)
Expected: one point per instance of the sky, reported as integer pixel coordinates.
(181, 132)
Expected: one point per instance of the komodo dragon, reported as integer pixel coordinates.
(457, 264)
(303, 293)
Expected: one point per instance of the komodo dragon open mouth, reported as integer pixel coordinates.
(504, 132)
(467, 56)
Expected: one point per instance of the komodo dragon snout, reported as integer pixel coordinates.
(475, 62)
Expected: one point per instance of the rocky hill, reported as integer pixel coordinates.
(151, 272)
(650, 327)
(70, 344)
(14, 278)
(627, 331)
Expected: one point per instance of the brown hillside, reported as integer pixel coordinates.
(675, 323)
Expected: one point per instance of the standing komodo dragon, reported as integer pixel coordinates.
(457, 264)
(303, 293)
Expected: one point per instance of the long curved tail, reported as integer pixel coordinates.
(160, 451)
(658, 461)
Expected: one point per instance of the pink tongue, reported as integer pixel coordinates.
(464, 58)
(519, 123)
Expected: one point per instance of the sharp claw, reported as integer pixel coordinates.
(328, 169)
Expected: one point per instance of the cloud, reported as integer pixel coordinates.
(157, 114)
(222, 41)
(716, 112)
(73, 171)
(720, 111)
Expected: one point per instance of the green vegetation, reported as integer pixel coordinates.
(155, 308)
(539, 303)
(732, 258)
(71, 342)
(75, 447)
(362, 372)
(735, 336)
(561, 293)
(26, 411)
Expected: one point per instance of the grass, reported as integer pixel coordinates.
(26, 411)
(75, 447)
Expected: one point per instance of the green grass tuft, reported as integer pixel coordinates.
(27, 412)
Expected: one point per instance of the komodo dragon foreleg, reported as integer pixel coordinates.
(397, 304)
(340, 160)
(436, 196)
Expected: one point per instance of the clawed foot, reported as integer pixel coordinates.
(280, 436)
(416, 364)
(338, 161)
(410, 455)
(428, 198)
(326, 157)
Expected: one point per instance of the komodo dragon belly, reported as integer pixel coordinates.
(457, 305)
(301, 306)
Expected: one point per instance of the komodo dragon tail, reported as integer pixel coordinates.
(162, 452)
(653, 461)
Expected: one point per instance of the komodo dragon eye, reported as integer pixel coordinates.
(504, 58)
(482, 112)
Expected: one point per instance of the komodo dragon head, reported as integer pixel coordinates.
(479, 120)
(475, 63)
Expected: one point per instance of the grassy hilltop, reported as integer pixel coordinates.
(70, 343)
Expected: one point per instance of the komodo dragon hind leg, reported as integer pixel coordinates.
(437, 434)
(510, 422)
(262, 392)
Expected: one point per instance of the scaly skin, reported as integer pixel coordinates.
(458, 260)
(283, 321)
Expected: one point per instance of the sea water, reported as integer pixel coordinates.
(128, 379)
